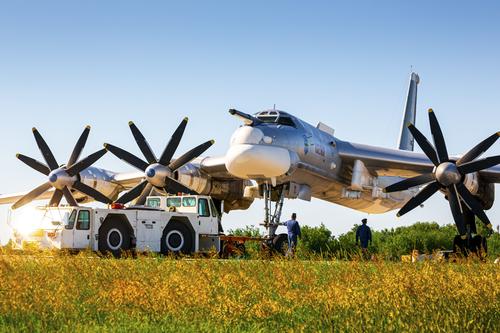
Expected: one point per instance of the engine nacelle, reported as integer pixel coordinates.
(100, 180)
(484, 192)
(230, 191)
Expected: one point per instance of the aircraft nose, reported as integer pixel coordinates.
(252, 161)
(247, 135)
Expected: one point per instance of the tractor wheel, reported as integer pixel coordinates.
(114, 237)
(177, 238)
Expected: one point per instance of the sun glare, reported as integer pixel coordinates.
(26, 220)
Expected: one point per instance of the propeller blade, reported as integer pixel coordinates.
(45, 150)
(56, 198)
(172, 145)
(410, 182)
(133, 193)
(31, 162)
(190, 155)
(85, 189)
(437, 134)
(456, 210)
(127, 157)
(417, 200)
(79, 146)
(142, 143)
(69, 197)
(32, 195)
(86, 162)
(173, 187)
(479, 165)
(426, 146)
(479, 149)
(144, 195)
(473, 204)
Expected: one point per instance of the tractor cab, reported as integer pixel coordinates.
(200, 204)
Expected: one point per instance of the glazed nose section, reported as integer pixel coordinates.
(257, 161)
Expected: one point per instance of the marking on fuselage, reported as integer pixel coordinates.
(307, 142)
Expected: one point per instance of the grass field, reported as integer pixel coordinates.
(78, 293)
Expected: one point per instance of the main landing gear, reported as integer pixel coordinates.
(472, 243)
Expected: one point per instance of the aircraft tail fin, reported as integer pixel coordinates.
(405, 137)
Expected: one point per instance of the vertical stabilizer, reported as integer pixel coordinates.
(405, 137)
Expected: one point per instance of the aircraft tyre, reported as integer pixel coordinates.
(176, 238)
(477, 245)
(280, 244)
(114, 237)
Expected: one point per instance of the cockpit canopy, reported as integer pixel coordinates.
(277, 117)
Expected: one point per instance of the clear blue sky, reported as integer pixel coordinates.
(66, 64)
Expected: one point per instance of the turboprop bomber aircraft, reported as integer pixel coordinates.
(274, 155)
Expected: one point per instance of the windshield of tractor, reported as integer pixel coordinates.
(189, 201)
(154, 202)
(173, 202)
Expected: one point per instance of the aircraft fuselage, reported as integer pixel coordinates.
(289, 150)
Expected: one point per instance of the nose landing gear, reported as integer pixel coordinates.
(273, 243)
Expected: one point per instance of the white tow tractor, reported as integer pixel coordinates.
(166, 224)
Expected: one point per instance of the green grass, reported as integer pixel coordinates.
(78, 294)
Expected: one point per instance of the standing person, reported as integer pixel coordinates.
(293, 228)
(364, 234)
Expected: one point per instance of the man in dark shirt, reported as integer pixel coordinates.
(364, 234)
(293, 228)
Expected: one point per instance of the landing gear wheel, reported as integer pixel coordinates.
(177, 238)
(477, 245)
(114, 237)
(280, 244)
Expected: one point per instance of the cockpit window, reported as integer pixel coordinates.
(268, 116)
(287, 121)
(276, 117)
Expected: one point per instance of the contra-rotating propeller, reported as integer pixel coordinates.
(448, 175)
(159, 173)
(62, 178)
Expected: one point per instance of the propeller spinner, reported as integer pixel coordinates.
(62, 178)
(448, 175)
(159, 173)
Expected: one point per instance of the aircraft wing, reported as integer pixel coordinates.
(128, 179)
(121, 181)
(13, 197)
(395, 162)
(214, 167)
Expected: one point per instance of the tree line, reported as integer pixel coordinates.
(391, 244)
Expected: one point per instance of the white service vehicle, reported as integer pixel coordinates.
(166, 224)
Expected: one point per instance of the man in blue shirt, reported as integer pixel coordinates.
(293, 228)
(364, 234)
